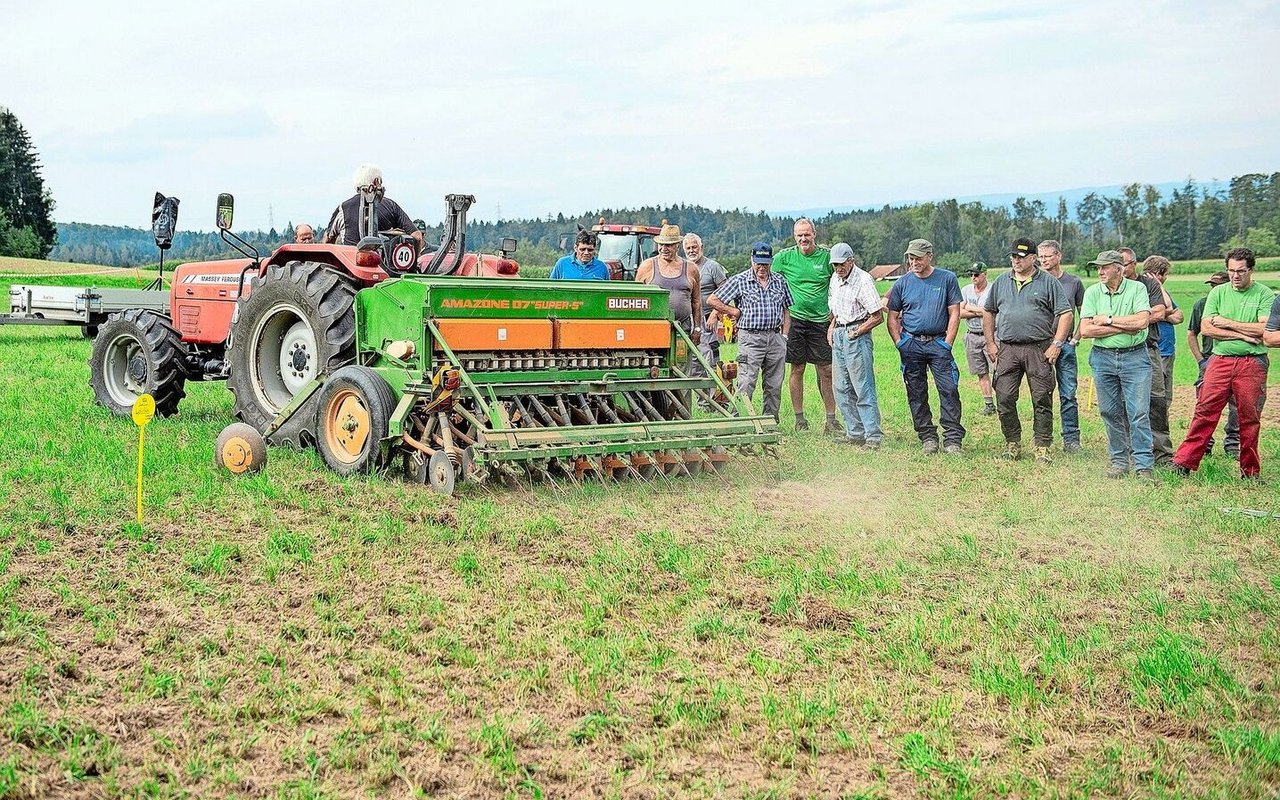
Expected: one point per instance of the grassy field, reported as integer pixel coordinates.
(831, 623)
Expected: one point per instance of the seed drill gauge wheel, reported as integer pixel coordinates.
(353, 414)
(240, 449)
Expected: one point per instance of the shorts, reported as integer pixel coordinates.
(807, 343)
(975, 353)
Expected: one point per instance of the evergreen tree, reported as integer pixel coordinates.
(25, 201)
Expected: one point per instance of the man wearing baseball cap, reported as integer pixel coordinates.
(855, 308)
(1028, 319)
(924, 317)
(760, 312)
(1201, 348)
(972, 299)
(1115, 313)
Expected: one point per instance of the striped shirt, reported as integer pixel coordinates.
(853, 299)
(761, 306)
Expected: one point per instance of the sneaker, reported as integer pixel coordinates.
(1116, 472)
(871, 445)
(1042, 456)
(802, 424)
(1012, 451)
(929, 447)
(1071, 448)
(1146, 476)
(989, 409)
(1179, 470)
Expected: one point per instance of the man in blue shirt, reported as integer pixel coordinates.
(583, 264)
(762, 320)
(924, 317)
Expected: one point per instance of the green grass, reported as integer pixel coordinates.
(829, 623)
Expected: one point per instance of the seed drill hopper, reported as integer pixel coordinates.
(481, 379)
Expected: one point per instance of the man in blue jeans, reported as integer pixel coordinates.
(924, 316)
(1067, 367)
(855, 308)
(1116, 313)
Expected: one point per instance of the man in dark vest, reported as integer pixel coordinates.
(344, 225)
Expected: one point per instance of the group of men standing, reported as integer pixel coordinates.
(808, 304)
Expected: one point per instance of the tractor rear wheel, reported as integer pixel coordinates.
(297, 322)
(137, 352)
(353, 416)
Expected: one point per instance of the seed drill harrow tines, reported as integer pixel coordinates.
(512, 381)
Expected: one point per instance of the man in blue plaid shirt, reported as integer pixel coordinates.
(761, 321)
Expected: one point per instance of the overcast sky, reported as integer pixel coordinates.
(568, 107)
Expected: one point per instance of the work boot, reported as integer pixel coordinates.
(1179, 470)
(873, 445)
(1116, 472)
(802, 424)
(929, 447)
(1042, 456)
(856, 441)
(989, 409)
(1147, 476)
(833, 427)
(953, 449)
(1071, 448)
(1012, 451)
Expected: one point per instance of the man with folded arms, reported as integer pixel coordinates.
(1026, 323)
(1116, 313)
(1236, 315)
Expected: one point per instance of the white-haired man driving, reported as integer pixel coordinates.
(344, 225)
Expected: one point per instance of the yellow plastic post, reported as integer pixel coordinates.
(144, 408)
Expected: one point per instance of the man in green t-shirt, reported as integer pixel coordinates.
(1115, 313)
(1235, 316)
(807, 270)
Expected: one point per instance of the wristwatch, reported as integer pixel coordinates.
(1109, 318)
(1058, 343)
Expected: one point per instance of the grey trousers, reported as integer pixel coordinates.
(762, 355)
(1161, 444)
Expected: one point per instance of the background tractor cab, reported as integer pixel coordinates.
(622, 247)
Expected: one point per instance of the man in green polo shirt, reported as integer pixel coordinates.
(1235, 315)
(807, 270)
(1116, 312)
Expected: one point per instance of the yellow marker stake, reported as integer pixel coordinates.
(144, 408)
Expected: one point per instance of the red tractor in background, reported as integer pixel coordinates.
(268, 326)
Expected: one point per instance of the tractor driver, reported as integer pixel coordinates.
(344, 225)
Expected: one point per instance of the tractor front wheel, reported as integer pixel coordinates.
(352, 418)
(137, 352)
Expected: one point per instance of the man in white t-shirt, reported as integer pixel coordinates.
(856, 309)
(973, 300)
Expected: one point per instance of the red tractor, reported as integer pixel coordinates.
(267, 326)
(622, 247)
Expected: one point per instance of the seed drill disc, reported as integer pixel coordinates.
(240, 449)
(440, 472)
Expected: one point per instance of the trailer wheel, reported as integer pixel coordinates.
(137, 352)
(296, 323)
(352, 418)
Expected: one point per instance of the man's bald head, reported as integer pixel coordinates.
(303, 234)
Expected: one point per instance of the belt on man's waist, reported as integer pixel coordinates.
(1129, 349)
(1029, 341)
(927, 337)
(762, 330)
(851, 324)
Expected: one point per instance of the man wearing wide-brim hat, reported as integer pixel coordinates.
(675, 274)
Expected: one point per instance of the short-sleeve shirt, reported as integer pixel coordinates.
(853, 299)
(1027, 312)
(1251, 305)
(923, 302)
(807, 278)
(1130, 298)
(1193, 325)
(711, 276)
(1273, 321)
(570, 269)
(970, 294)
(761, 306)
(1074, 288)
(1155, 296)
(346, 219)
(1167, 346)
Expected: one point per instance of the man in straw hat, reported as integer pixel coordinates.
(679, 277)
